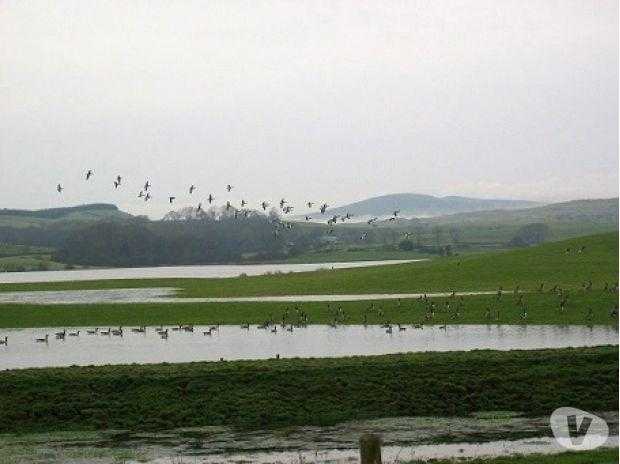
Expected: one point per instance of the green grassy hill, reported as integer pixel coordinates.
(82, 213)
(566, 220)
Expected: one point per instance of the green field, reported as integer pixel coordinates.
(541, 309)
(279, 393)
(19, 258)
(527, 268)
(598, 456)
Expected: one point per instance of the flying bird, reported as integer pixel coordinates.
(59, 188)
(264, 205)
(192, 188)
(147, 186)
(210, 199)
(141, 194)
(119, 179)
(229, 187)
(243, 203)
(171, 199)
(282, 203)
(309, 204)
(116, 184)
(147, 197)
(324, 208)
(89, 174)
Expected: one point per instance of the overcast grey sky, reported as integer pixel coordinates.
(331, 101)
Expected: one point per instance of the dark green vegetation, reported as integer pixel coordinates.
(554, 264)
(101, 235)
(598, 456)
(277, 393)
(582, 308)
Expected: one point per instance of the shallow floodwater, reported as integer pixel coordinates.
(167, 295)
(233, 343)
(404, 439)
(163, 272)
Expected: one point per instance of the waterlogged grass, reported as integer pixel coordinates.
(594, 307)
(527, 268)
(598, 456)
(280, 393)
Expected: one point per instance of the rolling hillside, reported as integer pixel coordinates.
(416, 205)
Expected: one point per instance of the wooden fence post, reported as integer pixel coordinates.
(370, 449)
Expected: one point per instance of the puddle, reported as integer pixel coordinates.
(404, 439)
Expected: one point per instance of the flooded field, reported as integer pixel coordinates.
(29, 347)
(198, 272)
(407, 438)
(167, 295)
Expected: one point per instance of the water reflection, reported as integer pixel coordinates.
(233, 342)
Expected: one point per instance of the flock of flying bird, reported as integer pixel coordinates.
(285, 207)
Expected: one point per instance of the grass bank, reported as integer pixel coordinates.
(598, 456)
(582, 308)
(528, 268)
(279, 393)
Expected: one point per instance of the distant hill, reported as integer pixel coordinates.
(82, 213)
(600, 211)
(416, 205)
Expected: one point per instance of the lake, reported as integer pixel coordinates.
(234, 343)
(177, 272)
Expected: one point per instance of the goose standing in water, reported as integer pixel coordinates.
(118, 332)
(42, 340)
(93, 332)
(74, 334)
(4, 342)
(264, 205)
